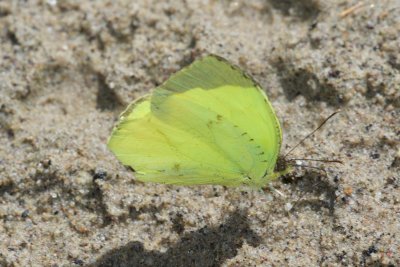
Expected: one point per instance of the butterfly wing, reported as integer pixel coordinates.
(207, 124)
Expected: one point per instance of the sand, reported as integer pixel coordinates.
(68, 68)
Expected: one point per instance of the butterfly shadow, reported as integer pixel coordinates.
(315, 184)
(208, 246)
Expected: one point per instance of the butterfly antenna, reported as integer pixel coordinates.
(320, 160)
(312, 167)
(310, 134)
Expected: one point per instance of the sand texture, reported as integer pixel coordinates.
(68, 68)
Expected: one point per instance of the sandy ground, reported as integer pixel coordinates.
(68, 68)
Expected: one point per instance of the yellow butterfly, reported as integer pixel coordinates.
(209, 123)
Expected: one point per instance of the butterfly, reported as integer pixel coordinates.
(209, 123)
